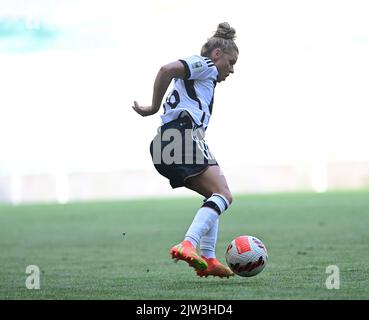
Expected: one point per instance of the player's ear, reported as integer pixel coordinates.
(216, 54)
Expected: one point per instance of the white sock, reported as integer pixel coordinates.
(208, 241)
(204, 220)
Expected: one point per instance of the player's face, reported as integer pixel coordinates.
(225, 63)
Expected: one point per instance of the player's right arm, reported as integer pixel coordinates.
(163, 79)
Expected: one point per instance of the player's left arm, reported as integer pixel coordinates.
(163, 79)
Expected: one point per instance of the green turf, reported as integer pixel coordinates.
(119, 250)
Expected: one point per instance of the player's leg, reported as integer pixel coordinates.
(211, 181)
(212, 184)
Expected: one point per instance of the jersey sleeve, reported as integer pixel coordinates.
(199, 68)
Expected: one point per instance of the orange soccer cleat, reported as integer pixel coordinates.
(186, 251)
(215, 269)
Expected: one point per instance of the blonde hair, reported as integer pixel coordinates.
(223, 38)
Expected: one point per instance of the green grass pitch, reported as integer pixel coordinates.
(120, 250)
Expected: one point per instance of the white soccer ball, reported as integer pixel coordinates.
(246, 256)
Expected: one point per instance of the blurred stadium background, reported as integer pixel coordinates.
(293, 116)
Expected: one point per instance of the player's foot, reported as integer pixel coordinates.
(187, 252)
(215, 268)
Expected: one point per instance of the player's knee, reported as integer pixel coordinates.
(223, 191)
(229, 197)
(226, 193)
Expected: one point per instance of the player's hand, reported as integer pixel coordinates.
(143, 111)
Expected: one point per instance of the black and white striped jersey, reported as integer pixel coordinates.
(195, 93)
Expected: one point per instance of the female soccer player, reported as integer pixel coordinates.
(179, 151)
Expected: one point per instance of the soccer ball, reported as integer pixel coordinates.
(246, 256)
